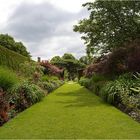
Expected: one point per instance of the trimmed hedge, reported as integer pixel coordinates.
(11, 59)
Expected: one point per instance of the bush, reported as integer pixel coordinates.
(50, 85)
(95, 83)
(84, 82)
(45, 78)
(124, 90)
(98, 77)
(26, 94)
(3, 107)
(49, 77)
(109, 92)
(7, 78)
(46, 86)
(32, 71)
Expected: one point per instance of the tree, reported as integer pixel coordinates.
(9, 43)
(72, 65)
(68, 56)
(56, 60)
(69, 63)
(110, 25)
(84, 59)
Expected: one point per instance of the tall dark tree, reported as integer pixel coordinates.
(110, 25)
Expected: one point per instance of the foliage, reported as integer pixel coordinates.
(68, 56)
(133, 59)
(7, 78)
(70, 64)
(11, 59)
(110, 25)
(110, 92)
(47, 86)
(56, 60)
(25, 94)
(84, 82)
(84, 60)
(95, 83)
(97, 77)
(123, 90)
(32, 70)
(3, 107)
(50, 84)
(49, 77)
(9, 43)
(51, 69)
(121, 60)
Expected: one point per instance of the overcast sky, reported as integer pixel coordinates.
(44, 26)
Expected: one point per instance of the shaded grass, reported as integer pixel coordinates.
(71, 112)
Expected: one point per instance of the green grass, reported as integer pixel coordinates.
(11, 59)
(71, 112)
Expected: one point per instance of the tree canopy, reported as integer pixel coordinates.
(69, 63)
(8, 42)
(110, 25)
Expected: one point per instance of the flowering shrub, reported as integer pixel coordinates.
(26, 94)
(51, 69)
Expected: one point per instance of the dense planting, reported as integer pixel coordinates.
(25, 94)
(18, 92)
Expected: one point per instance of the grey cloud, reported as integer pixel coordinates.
(34, 22)
(39, 24)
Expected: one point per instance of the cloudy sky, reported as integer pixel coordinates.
(44, 26)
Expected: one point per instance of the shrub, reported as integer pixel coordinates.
(3, 107)
(49, 86)
(109, 92)
(49, 77)
(7, 78)
(53, 78)
(45, 78)
(84, 82)
(95, 83)
(123, 90)
(32, 70)
(97, 78)
(25, 94)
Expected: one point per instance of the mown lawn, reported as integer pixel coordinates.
(71, 112)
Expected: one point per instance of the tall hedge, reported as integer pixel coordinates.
(11, 59)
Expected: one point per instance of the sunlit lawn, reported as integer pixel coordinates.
(71, 112)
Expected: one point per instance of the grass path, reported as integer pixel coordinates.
(71, 112)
